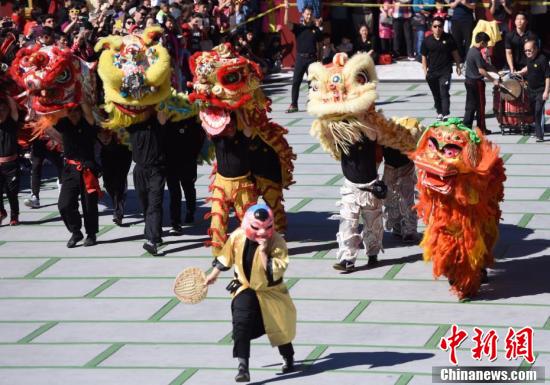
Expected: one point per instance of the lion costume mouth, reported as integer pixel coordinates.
(214, 119)
(439, 179)
(131, 110)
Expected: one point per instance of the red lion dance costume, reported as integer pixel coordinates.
(54, 81)
(233, 110)
(460, 180)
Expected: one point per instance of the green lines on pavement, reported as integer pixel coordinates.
(547, 324)
(2, 243)
(404, 379)
(356, 312)
(413, 87)
(293, 122)
(332, 181)
(433, 342)
(184, 376)
(101, 288)
(227, 339)
(103, 355)
(458, 93)
(51, 215)
(545, 195)
(291, 282)
(309, 150)
(41, 330)
(42, 267)
(320, 254)
(168, 306)
(390, 99)
(104, 229)
(395, 269)
(505, 157)
(278, 99)
(315, 354)
(525, 219)
(300, 205)
(523, 140)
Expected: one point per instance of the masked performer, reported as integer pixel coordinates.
(233, 111)
(261, 303)
(460, 180)
(342, 97)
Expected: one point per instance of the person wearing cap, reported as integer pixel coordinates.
(261, 303)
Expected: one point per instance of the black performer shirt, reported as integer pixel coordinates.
(248, 257)
(183, 142)
(78, 139)
(232, 155)
(360, 165)
(538, 71)
(515, 42)
(147, 139)
(307, 37)
(8, 137)
(438, 53)
(264, 161)
(395, 158)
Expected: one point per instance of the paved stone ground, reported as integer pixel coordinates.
(106, 315)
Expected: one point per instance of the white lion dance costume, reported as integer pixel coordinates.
(342, 99)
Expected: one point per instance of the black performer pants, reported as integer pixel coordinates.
(185, 176)
(149, 184)
(9, 182)
(440, 85)
(72, 188)
(475, 103)
(461, 30)
(248, 325)
(537, 106)
(300, 68)
(116, 164)
(39, 153)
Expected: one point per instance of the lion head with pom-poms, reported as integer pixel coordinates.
(341, 97)
(225, 82)
(460, 180)
(135, 70)
(53, 79)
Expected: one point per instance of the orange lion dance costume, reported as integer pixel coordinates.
(460, 180)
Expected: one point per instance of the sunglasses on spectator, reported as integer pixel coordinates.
(437, 26)
(130, 22)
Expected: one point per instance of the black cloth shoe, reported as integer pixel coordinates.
(373, 260)
(117, 221)
(288, 365)
(151, 248)
(344, 265)
(243, 375)
(75, 238)
(176, 229)
(90, 240)
(484, 276)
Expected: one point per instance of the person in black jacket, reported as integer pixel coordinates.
(9, 164)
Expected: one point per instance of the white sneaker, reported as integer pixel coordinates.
(58, 184)
(439, 117)
(32, 202)
(445, 117)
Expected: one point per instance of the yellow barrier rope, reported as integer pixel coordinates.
(360, 5)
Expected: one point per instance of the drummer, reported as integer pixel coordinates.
(537, 72)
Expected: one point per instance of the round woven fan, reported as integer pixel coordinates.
(190, 285)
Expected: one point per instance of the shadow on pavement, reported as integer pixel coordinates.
(335, 361)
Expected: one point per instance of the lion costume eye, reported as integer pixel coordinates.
(362, 77)
(63, 77)
(232, 77)
(314, 85)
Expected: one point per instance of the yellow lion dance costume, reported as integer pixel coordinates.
(135, 70)
(460, 180)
